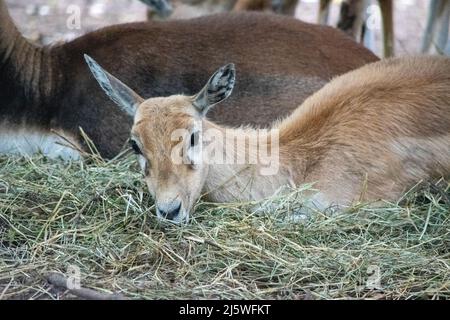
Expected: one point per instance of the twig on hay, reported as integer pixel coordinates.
(61, 281)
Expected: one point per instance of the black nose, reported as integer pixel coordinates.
(170, 212)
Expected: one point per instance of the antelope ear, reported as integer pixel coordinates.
(121, 94)
(218, 88)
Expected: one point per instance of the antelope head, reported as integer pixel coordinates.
(167, 137)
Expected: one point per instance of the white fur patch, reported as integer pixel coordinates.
(27, 143)
(142, 162)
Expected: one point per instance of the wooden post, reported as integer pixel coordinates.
(387, 14)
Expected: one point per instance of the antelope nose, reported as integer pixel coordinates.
(170, 211)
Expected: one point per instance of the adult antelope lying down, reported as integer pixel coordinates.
(370, 134)
(46, 89)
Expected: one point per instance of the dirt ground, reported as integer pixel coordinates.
(46, 21)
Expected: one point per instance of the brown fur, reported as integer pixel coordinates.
(388, 122)
(370, 134)
(253, 5)
(51, 87)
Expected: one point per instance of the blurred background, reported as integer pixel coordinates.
(46, 21)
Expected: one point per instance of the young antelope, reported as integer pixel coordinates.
(368, 135)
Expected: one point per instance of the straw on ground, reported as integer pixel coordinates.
(98, 217)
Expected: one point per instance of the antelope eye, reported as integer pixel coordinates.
(135, 147)
(194, 138)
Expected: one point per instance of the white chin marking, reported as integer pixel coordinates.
(26, 142)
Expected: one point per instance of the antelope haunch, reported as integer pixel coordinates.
(48, 89)
(370, 134)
